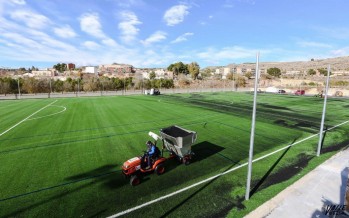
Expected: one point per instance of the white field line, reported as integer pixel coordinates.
(26, 118)
(218, 175)
(64, 109)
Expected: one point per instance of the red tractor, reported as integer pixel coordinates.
(135, 168)
(176, 140)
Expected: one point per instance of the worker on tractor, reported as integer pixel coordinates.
(152, 153)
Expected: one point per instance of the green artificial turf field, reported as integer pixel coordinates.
(63, 157)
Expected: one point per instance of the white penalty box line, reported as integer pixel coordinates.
(27, 117)
(218, 175)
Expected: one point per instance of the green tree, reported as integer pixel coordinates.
(30, 85)
(178, 68)
(90, 84)
(248, 74)
(60, 67)
(42, 86)
(230, 76)
(146, 84)
(274, 71)
(205, 73)
(323, 71)
(152, 75)
(311, 72)
(240, 81)
(58, 86)
(117, 83)
(194, 69)
(5, 87)
(22, 70)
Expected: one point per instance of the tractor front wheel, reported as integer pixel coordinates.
(160, 169)
(135, 180)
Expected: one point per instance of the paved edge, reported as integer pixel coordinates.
(269, 206)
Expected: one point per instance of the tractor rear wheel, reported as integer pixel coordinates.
(135, 180)
(160, 169)
(187, 161)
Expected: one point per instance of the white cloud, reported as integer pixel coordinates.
(64, 32)
(251, 2)
(210, 17)
(233, 3)
(130, 3)
(90, 24)
(213, 55)
(182, 38)
(91, 45)
(23, 41)
(48, 41)
(203, 23)
(176, 14)
(340, 52)
(228, 4)
(333, 32)
(155, 37)
(19, 2)
(31, 19)
(128, 25)
(313, 44)
(109, 42)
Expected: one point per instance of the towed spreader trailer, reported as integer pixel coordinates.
(175, 140)
(178, 141)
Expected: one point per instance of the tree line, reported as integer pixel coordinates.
(89, 84)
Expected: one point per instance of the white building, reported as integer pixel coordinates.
(91, 70)
(42, 73)
(145, 75)
(225, 73)
(160, 73)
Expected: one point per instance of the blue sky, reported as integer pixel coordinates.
(156, 33)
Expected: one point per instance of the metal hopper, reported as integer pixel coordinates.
(178, 141)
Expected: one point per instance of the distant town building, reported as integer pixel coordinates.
(42, 73)
(240, 70)
(160, 73)
(226, 71)
(91, 70)
(70, 66)
(115, 68)
(145, 75)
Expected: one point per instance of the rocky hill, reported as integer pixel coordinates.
(339, 63)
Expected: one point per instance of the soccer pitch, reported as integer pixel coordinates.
(63, 157)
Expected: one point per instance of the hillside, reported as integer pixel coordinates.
(339, 63)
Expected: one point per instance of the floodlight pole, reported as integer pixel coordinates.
(249, 172)
(124, 84)
(50, 87)
(233, 82)
(77, 94)
(323, 112)
(19, 89)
